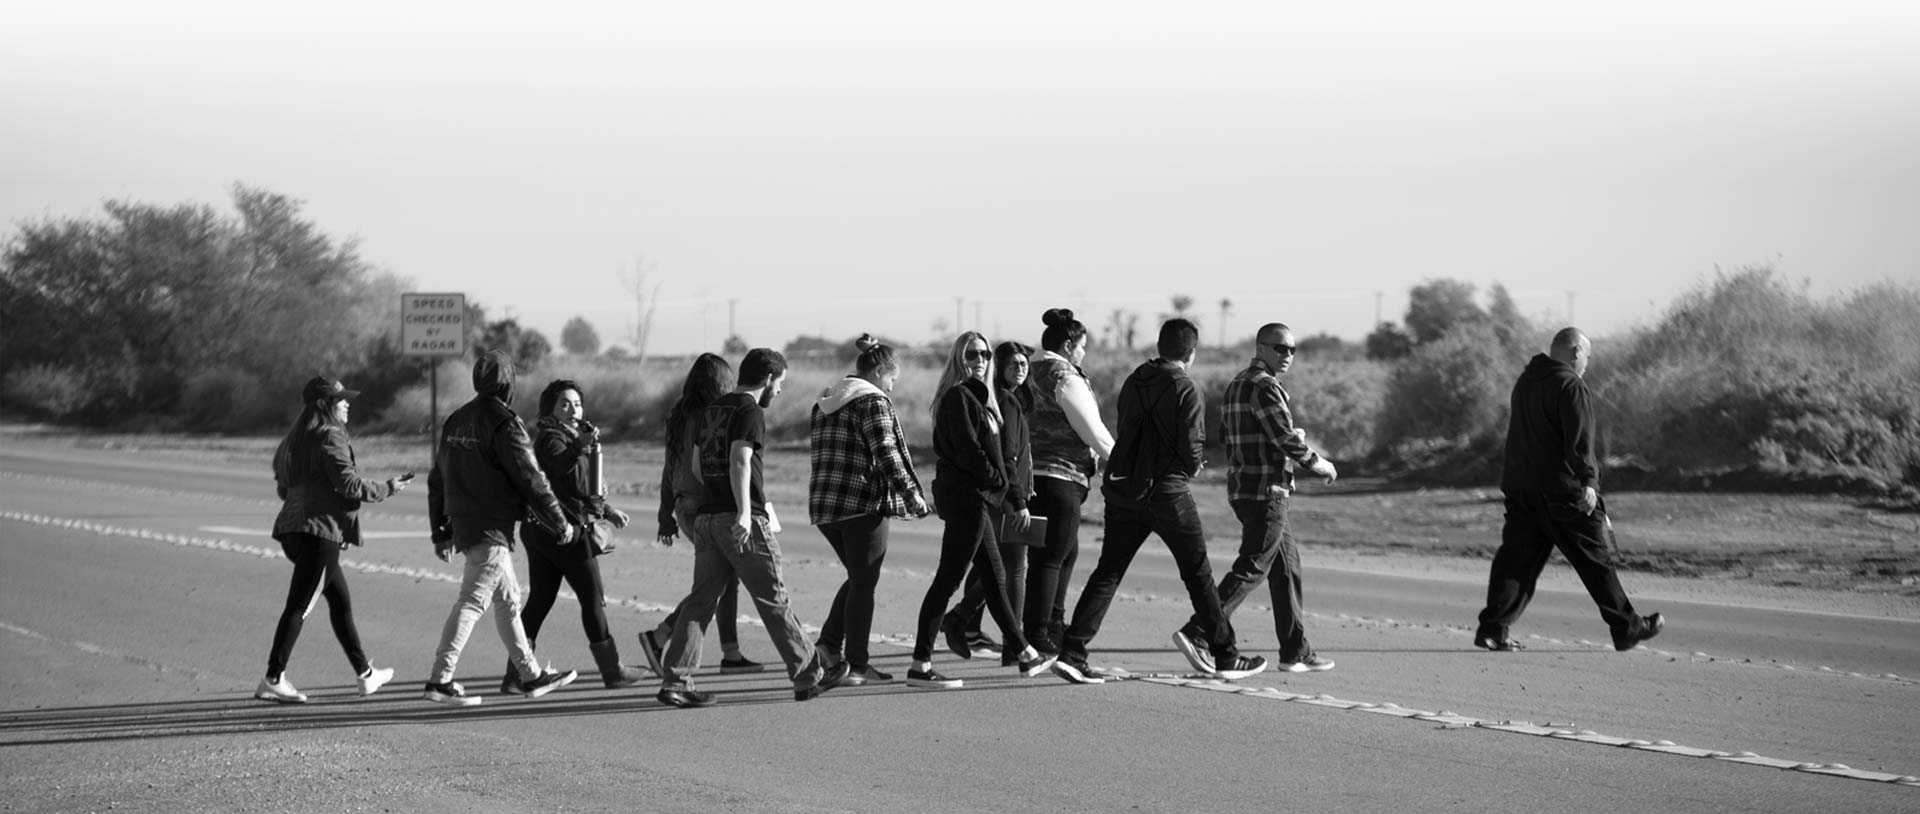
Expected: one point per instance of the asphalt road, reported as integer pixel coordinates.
(138, 598)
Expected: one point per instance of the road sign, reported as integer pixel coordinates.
(433, 324)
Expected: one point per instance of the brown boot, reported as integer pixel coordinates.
(612, 672)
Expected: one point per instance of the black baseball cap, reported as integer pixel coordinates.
(322, 387)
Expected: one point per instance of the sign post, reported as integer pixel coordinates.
(434, 326)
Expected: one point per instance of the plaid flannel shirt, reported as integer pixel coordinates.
(1261, 446)
(860, 463)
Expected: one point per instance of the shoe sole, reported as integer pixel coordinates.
(1236, 675)
(279, 700)
(1075, 675)
(1038, 667)
(926, 684)
(565, 679)
(451, 700)
(1188, 649)
(654, 657)
(742, 669)
(1300, 667)
(685, 704)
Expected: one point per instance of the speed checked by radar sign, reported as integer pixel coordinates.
(433, 324)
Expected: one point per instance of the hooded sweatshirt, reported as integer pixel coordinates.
(860, 462)
(484, 478)
(1550, 432)
(1161, 430)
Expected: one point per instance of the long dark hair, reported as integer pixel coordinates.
(708, 379)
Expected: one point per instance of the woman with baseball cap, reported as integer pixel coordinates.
(321, 493)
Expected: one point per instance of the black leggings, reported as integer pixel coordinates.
(316, 573)
(961, 544)
(861, 545)
(547, 565)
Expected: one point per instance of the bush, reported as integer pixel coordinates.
(1452, 391)
(233, 401)
(55, 390)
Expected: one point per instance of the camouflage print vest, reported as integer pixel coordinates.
(1058, 451)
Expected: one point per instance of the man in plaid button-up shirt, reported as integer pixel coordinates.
(1263, 449)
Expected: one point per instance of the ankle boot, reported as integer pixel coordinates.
(612, 672)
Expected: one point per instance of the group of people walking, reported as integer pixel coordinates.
(1018, 445)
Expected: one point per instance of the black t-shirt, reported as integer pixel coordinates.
(732, 417)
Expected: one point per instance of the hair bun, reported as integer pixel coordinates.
(865, 342)
(1057, 316)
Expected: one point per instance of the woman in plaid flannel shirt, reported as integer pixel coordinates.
(862, 475)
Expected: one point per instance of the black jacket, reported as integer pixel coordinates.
(1016, 445)
(484, 478)
(1550, 432)
(322, 493)
(1161, 429)
(967, 457)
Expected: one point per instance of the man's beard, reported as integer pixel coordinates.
(766, 398)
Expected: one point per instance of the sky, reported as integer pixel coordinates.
(832, 168)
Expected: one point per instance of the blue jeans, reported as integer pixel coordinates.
(720, 558)
(1177, 520)
(1267, 554)
(487, 580)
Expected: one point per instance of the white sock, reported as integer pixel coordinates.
(923, 666)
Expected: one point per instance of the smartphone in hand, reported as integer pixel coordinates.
(407, 477)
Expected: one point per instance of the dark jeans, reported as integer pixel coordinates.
(316, 573)
(548, 563)
(1266, 542)
(972, 608)
(861, 545)
(961, 544)
(1537, 524)
(1051, 568)
(1177, 520)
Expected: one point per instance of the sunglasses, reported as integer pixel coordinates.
(978, 355)
(1283, 350)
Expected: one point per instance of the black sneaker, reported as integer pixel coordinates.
(955, 632)
(1076, 671)
(931, 680)
(1649, 627)
(654, 650)
(685, 698)
(740, 665)
(981, 642)
(450, 693)
(866, 674)
(1498, 643)
(828, 680)
(548, 682)
(510, 682)
(1239, 667)
(1189, 645)
(1037, 665)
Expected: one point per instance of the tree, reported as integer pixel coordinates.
(1121, 327)
(579, 338)
(1226, 307)
(1388, 342)
(527, 346)
(1438, 306)
(735, 346)
(1510, 327)
(645, 302)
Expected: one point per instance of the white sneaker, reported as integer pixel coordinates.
(279, 692)
(375, 678)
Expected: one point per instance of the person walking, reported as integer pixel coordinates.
(321, 491)
(1263, 449)
(565, 445)
(681, 491)
(861, 475)
(1067, 439)
(484, 480)
(970, 479)
(1147, 492)
(733, 538)
(961, 627)
(1550, 478)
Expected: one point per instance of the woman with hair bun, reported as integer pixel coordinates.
(861, 476)
(1068, 438)
(970, 478)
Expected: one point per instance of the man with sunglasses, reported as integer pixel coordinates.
(1263, 451)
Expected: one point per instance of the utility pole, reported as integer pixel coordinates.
(1570, 294)
(959, 318)
(1378, 300)
(732, 303)
(977, 322)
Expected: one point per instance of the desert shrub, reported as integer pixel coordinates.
(55, 390)
(1453, 390)
(228, 400)
(1339, 404)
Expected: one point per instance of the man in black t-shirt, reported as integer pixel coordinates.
(731, 543)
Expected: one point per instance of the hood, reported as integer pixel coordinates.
(1155, 378)
(1542, 366)
(845, 392)
(493, 375)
